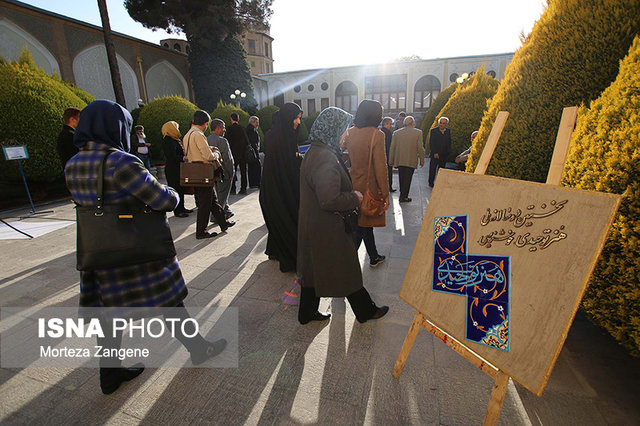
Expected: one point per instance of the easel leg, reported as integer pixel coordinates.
(497, 398)
(408, 344)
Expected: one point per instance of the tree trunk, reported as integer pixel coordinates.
(111, 53)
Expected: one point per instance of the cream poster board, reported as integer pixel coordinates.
(501, 265)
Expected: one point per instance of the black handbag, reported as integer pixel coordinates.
(114, 235)
(251, 155)
(350, 219)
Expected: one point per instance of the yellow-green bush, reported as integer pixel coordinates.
(31, 114)
(223, 112)
(158, 112)
(605, 156)
(570, 57)
(465, 109)
(439, 102)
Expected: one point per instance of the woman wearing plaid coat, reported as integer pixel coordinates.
(104, 128)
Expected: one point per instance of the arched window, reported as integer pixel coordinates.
(347, 96)
(425, 91)
(177, 47)
(389, 90)
(166, 45)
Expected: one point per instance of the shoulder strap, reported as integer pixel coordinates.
(100, 195)
(186, 148)
(370, 156)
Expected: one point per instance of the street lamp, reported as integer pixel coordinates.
(234, 97)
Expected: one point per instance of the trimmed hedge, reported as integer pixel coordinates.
(466, 108)
(605, 156)
(31, 114)
(303, 133)
(570, 57)
(310, 119)
(433, 111)
(158, 112)
(223, 112)
(266, 116)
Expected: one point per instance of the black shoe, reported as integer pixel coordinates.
(405, 200)
(181, 214)
(188, 210)
(318, 316)
(242, 192)
(378, 260)
(206, 235)
(430, 185)
(382, 311)
(392, 190)
(112, 378)
(226, 226)
(210, 350)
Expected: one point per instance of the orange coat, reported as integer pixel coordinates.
(356, 141)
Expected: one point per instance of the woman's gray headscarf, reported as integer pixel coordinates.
(329, 126)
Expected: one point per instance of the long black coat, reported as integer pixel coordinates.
(174, 155)
(238, 142)
(440, 143)
(65, 146)
(255, 170)
(327, 256)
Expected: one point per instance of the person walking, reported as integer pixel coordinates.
(387, 124)
(104, 131)
(238, 141)
(140, 146)
(327, 257)
(223, 187)
(253, 162)
(369, 172)
(439, 147)
(197, 149)
(174, 155)
(405, 153)
(280, 186)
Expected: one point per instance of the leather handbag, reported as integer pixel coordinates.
(199, 173)
(115, 235)
(372, 205)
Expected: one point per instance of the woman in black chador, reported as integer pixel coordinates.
(280, 186)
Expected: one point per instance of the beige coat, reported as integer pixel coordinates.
(356, 141)
(406, 148)
(196, 147)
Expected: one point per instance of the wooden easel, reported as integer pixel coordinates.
(501, 379)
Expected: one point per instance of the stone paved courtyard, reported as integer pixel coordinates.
(336, 372)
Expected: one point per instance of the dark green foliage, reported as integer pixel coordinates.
(440, 101)
(303, 134)
(570, 57)
(465, 109)
(158, 112)
(31, 114)
(605, 156)
(223, 112)
(266, 116)
(217, 58)
(308, 121)
(86, 97)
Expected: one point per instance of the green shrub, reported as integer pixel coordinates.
(158, 112)
(433, 111)
(266, 117)
(570, 57)
(465, 109)
(309, 120)
(303, 133)
(31, 114)
(605, 156)
(86, 97)
(223, 112)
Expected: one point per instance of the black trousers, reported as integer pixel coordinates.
(107, 364)
(207, 202)
(390, 171)
(434, 165)
(366, 234)
(405, 175)
(242, 165)
(360, 301)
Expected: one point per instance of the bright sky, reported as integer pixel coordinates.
(329, 33)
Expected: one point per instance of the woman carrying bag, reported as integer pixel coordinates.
(327, 257)
(102, 136)
(365, 143)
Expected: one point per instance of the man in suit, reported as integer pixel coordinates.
(405, 153)
(238, 141)
(65, 146)
(387, 123)
(223, 187)
(439, 146)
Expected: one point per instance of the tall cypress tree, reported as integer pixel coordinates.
(218, 63)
